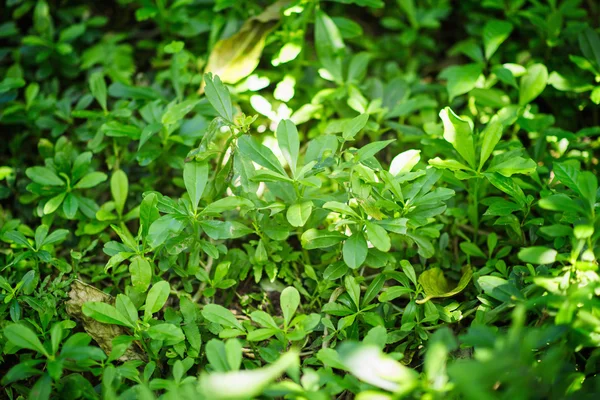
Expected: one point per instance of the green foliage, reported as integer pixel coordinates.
(299, 199)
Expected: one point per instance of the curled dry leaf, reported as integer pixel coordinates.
(103, 334)
(235, 58)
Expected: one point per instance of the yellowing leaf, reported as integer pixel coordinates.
(436, 285)
(235, 58)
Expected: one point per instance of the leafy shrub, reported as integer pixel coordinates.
(299, 199)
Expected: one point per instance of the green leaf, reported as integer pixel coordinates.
(508, 186)
(195, 177)
(404, 162)
(226, 204)
(459, 134)
(176, 112)
(22, 336)
(126, 307)
(141, 273)
(260, 154)
(246, 384)
(378, 236)
(371, 149)
(355, 250)
(353, 290)
(435, 285)
(495, 32)
(490, 137)
(167, 332)
(538, 255)
(289, 302)
(533, 83)
(98, 88)
(359, 359)
(219, 230)
(19, 238)
(222, 316)
(297, 214)
(315, 239)
(471, 249)
(355, 125)
(44, 176)
(218, 96)
(289, 142)
(514, 165)
(70, 206)
(90, 180)
(105, 313)
(119, 185)
(53, 204)
(461, 78)
(329, 45)
(589, 43)
(156, 299)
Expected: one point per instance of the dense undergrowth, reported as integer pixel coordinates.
(303, 199)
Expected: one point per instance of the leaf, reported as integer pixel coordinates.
(355, 125)
(119, 185)
(378, 236)
(289, 143)
(44, 176)
(161, 228)
(589, 43)
(490, 137)
(390, 375)
(355, 250)
(19, 238)
(218, 97)
(297, 214)
(314, 239)
(435, 285)
(498, 288)
(289, 302)
(176, 112)
(105, 313)
(471, 249)
(98, 88)
(459, 134)
(195, 177)
(219, 230)
(245, 384)
(141, 273)
(353, 289)
(156, 299)
(260, 154)
(461, 78)
(538, 255)
(514, 165)
(495, 32)
(22, 336)
(53, 203)
(329, 44)
(226, 204)
(508, 186)
(167, 332)
(371, 149)
(91, 180)
(404, 162)
(236, 57)
(533, 83)
(222, 316)
(103, 334)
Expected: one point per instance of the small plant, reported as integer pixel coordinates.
(299, 199)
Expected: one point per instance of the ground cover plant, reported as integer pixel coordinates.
(304, 199)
